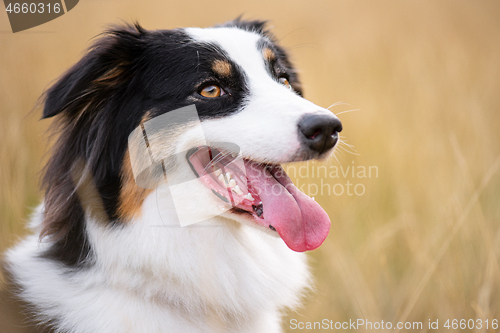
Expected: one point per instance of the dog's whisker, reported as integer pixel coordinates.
(352, 110)
(291, 32)
(348, 145)
(337, 104)
(216, 159)
(343, 140)
(342, 148)
(335, 157)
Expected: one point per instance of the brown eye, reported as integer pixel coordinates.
(211, 91)
(284, 81)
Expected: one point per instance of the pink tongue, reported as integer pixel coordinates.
(297, 218)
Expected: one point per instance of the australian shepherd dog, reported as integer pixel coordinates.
(166, 207)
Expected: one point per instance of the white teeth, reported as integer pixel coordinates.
(238, 190)
(221, 178)
(228, 175)
(249, 197)
(218, 172)
(232, 183)
(222, 207)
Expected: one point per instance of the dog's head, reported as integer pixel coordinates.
(251, 110)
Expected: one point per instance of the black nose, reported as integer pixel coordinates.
(319, 132)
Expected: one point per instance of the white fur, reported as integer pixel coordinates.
(152, 275)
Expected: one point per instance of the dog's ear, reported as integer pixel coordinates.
(107, 65)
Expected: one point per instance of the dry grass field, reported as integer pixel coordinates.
(420, 239)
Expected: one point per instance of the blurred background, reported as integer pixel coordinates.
(422, 240)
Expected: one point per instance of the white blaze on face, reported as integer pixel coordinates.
(266, 127)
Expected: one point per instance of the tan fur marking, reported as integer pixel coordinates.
(223, 68)
(131, 195)
(147, 116)
(87, 192)
(268, 54)
(111, 77)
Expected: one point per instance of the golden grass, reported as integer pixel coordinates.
(423, 241)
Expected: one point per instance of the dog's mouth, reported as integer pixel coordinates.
(263, 191)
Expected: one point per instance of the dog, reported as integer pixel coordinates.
(151, 224)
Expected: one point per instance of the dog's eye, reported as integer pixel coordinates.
(284, 81)
(212, 91)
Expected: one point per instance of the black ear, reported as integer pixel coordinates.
(106, 66)
(253, 26)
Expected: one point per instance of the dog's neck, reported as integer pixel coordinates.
(209, 263)
(223, 274)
